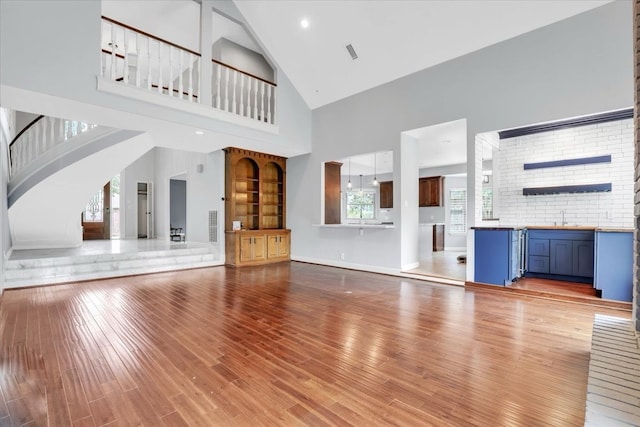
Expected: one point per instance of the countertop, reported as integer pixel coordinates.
(561, 227)
(497, 228)
(615, 229)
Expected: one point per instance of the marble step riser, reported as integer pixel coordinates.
(94, 259)
(105, 275)
(70, 270)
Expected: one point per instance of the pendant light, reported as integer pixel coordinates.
(349, 183)
(360, 184)
(375, 169)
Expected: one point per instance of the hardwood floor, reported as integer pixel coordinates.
(289, 344)
(555, 287)
(442, 264)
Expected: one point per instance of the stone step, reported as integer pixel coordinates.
(42, 271)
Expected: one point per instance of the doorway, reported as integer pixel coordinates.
(144, 211)
(178, 208)
(95, 217)
(441, 152)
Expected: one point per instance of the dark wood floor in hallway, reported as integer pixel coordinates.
(289, 344)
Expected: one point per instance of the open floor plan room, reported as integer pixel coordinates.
(289, 344)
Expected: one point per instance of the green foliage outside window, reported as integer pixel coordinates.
(360, 204)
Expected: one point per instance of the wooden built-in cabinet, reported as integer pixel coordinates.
(255, 197)
(430, 191)
(386, 195)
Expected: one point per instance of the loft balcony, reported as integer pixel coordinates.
(143, 66)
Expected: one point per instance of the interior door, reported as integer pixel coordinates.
(96, 216)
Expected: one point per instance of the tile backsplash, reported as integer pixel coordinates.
(613, 209)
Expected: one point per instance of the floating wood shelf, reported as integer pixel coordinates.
(586, 188)
(568, 162)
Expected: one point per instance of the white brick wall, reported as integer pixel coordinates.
(614, 209)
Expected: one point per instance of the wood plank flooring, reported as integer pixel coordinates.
(442, 264)
(289, 344)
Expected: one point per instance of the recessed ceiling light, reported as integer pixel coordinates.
(304, 23)
(199, 132)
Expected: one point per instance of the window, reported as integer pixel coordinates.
(93, 211)
(487, 203)
(360, 204)
(458, 210)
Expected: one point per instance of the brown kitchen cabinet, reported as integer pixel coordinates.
(332, 191)
(386, 195)
(438, 237)
(430, 192)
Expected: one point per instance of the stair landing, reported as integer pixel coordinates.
(97, 259)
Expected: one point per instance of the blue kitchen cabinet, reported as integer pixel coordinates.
(614, 264)
(496, 256)
(583, 258)
(539, 255)
(561, 257)
(561, 254)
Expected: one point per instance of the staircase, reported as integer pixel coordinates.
(102, 259)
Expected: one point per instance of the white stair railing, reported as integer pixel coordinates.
(145, 61)
(40, 136)
(242, 93)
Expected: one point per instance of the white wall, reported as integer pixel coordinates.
(48, 215)
(142, 170)
(562, 70)
(242, 58)
(176, 21)
(65, 84)
(7, 131)
(204, 191)
(613, 208)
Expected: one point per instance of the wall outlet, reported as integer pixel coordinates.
(342, 256)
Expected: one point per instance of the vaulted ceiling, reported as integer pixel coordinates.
(392, 38)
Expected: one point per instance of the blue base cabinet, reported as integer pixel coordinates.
(496, 256)
(561, 254)
(614, 265)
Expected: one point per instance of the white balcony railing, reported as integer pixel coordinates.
(133, 57)
(243, 94)
(40, 136)
(136, 58)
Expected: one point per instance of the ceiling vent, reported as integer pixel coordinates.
(351, 51)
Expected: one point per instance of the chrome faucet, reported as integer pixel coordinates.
(564, 222)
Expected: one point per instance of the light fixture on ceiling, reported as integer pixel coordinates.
(304, 23)
(375, 169)
(349, 183)
(352, 51)
(199, 132)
